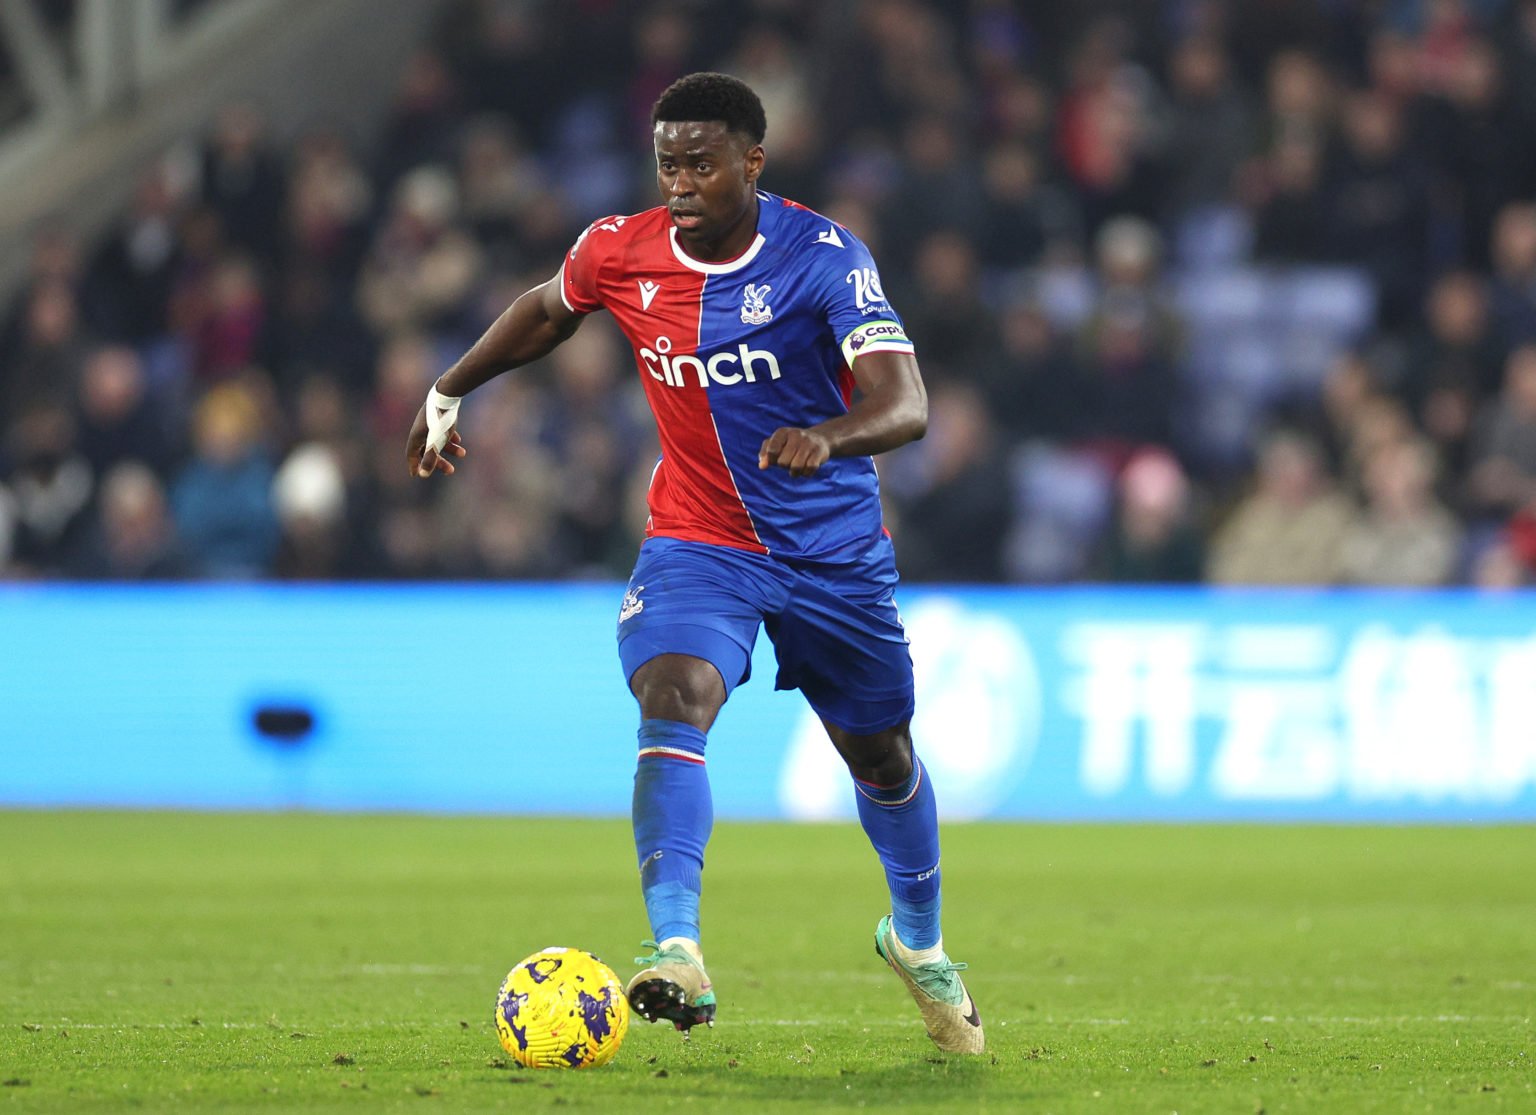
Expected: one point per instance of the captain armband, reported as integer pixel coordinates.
(876, 336)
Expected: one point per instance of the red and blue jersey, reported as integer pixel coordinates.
(729, 352)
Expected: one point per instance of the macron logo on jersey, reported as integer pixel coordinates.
(829, 235)
(648, 293)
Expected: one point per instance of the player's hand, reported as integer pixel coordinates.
(802, 452)
(425, 462)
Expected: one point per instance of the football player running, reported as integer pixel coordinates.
(775, 368)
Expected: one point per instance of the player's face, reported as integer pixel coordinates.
(708, 179)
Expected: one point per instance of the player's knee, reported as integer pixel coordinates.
(679, 687)
(881, 758)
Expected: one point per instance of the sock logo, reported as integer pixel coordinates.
(930, 873)
(648, 861)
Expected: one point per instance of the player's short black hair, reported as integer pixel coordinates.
(708, 96)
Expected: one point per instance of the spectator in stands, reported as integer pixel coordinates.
(1392, 66)
(1378, 204)
(243, 180)
(329, 198)
(1481, 153)
(1285, 187)
(957, 514)
(1153, 539)
(1022, 218)
(1299, 99)
(117, 417)
(1020, 108)
(1129, 344)
(1503, 471)
(1209, 129)
(1382, 421)
(1103, 127)
(498, 181)
(222, 498)
(134, 271)
(948, 317)
(312, 320)
(309, 496)
(406, 366)
(423, 121)
(50, 491)
(49, 350)
(133, 537)
(1349, 387)
(1033, 386)
(592, 428)
(1291, 529)
(1285, 192)
(227, 337)
(54, 256)
(938, 188)
(1453, 364)
(1519, 43)
(1514, 283)
(1403, 535)
(421, 266)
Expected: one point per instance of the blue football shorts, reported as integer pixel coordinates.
(834, 628)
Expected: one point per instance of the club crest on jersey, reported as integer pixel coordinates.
(754, 305)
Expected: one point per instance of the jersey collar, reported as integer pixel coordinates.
(765, 213)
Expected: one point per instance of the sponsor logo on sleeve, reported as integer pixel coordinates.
(867, 291)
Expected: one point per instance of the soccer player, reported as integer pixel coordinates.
(753, 321)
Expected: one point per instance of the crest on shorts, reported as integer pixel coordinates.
(632, 605)
(754, 305)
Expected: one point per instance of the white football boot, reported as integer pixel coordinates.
(673, 985)
(948, 1012)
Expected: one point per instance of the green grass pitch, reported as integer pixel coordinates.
(187, 962)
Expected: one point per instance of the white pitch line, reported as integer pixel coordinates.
(848, 1023)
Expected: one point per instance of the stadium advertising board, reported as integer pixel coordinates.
(1065, 704)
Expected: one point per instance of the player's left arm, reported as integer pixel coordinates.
(892, 409)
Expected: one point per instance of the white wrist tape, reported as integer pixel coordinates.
(442, 415)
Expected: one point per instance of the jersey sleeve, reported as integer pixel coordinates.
(861, 318)
(579, 288)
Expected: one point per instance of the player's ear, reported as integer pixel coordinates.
(756, 157)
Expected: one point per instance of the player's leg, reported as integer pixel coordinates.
(679, 697)
(842, 644)
(686, 631)
(900, 816)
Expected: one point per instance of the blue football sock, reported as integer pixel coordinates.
(672, 815)
(902, 822)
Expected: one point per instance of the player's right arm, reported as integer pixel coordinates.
(532, 327)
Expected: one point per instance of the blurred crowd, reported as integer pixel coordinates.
(1241, 291)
